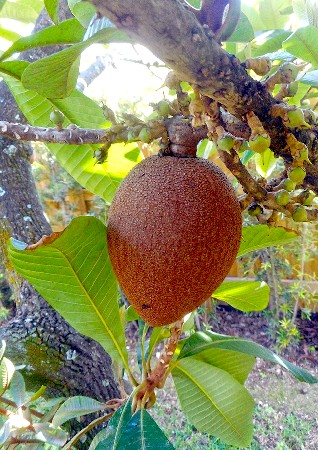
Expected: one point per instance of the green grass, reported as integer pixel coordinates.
(273, 430)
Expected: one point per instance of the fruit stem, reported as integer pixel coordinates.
(144, 395)
(143, 356)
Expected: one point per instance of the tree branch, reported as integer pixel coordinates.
(173, 33)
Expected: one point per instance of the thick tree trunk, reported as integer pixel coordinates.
(53, 353)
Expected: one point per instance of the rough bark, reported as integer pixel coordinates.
(53, 352)
(172, 32)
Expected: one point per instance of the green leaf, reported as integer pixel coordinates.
(214, 401)
(110, 437)
(37, 394)
(157, 335)
(256, 237)
(303, 44)
(138, 432)
(7, 371)
(253, 16)
(311, 78)
(17, 389)
(101, 179)
(67, 32)
(244, 295)
(131, 314)
(265, 163)
(272, 43)
(76, 407)
(238, 365)
(52, 7)
(5, 432)
(202, 341)
(2, 349)
(141, 433)
(272, 13)
(9, 35)
(3, 377)
(83, 11)
(26, 11)
(243, 32)
(13, 68)
(50, 435)
(195, 3)
(247, 155)
(60, 70)
(73, 273)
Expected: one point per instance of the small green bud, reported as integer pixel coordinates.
(225, 142)
(101, 154)
(163, 108)
(297, 175)
(260, 143)
(172, 81)
(300, 214)
(306, 197)
(303, 156)
(57, 117)
(292, 88)
(289, 71)
(255, 210)
(144, 135)
(282, 197)
(296, 119)
(289, 185)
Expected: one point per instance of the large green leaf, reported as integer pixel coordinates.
(7, 371)
(238, 365)
(109, 438)
(272, 13)
(52, 7)
(83, 11)
(49, 435)
(311, 78)
(243, 32)
(2, 349)
(17, 389)
(68, 32)
(214, 401)
(76, 407)
(261, 236)
(142, 433)
(303, 44)
(138, 432)
(265, 163)
(244, 295)
(202, 341)
(73, 273)
(101, 179)
(9, 35)
(253, 16)
(60, 70)
(22, 10)
(272, 43)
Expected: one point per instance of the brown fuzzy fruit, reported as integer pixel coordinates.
(174, 230)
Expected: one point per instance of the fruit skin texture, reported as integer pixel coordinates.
(174, 230)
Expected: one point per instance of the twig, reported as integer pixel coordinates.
(144, 396)
(75, 135)
(14, 405)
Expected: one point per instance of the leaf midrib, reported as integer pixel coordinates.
(208, 396)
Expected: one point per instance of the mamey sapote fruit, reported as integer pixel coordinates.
(174, 230)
